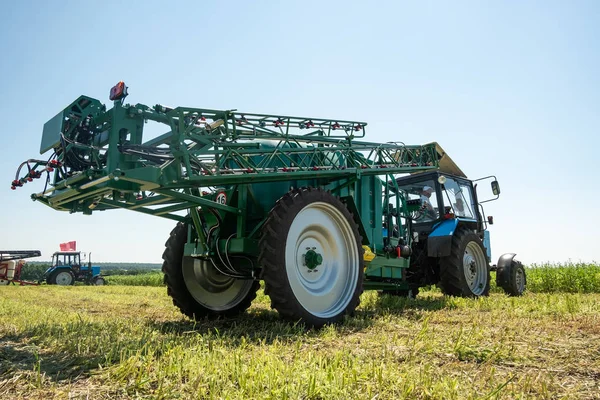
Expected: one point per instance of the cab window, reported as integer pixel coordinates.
(427, 196)
(458, 199)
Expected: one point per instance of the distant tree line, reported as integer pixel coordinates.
(34, 270)
(112, 265)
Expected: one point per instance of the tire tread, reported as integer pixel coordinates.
(272, 245)
(452, 276)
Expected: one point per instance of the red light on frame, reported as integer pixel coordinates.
(119, 91)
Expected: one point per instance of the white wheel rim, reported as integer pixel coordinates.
(326, 290)
(3, 282)
(64, 278)
(520, 280)
(99, 282)
(475, 268)
(212, 289)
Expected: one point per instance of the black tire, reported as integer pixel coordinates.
(411, 294)
(178, 289)
(55, 278)
(512, 278)
(280, 283)
(453, 279)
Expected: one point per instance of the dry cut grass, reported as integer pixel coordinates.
(130, 342)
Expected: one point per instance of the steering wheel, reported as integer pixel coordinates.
(428, 209)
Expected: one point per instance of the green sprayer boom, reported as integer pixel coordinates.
(100, 160)
(232, 180)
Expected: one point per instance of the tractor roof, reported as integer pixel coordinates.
(447, 164)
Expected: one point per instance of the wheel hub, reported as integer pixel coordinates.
(64, 278)
(312, 259)
(520, 280)
(475, 268)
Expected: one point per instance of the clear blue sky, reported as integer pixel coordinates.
(507, 88)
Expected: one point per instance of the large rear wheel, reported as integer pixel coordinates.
(312, 258)
(62, 277)
(198, 288)
(465, 272)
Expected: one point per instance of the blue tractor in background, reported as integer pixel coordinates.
(451, 242)
(67, 268)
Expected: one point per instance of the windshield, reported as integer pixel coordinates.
(59, 259)
(425, 193)
(457, 197)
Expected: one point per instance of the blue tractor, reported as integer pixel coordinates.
(451, 242)
(67, 269)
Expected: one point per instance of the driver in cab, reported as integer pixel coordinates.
(426, 203)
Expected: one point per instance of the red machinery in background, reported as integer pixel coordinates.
(11, 264)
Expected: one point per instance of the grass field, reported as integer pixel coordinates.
(130, 342)
(154, 278)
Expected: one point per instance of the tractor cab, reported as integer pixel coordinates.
(439, 203)
(67, 258)
(435, 197)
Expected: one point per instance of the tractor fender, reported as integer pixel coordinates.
(503, 268)
(56, 268)
(439, 241)
(51, 270)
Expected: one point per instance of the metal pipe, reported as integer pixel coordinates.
(96, 182)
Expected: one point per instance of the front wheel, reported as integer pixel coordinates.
(465, 272)
(512, 278)
(312, 258)
(98, 281)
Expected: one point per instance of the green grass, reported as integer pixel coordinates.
(568, 277)
(541, 278)
(130, 342)
(145, 279)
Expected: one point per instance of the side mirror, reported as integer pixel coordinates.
(495, 188)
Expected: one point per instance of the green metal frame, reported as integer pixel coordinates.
(101, 162)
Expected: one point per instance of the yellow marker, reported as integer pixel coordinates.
(369, 255)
